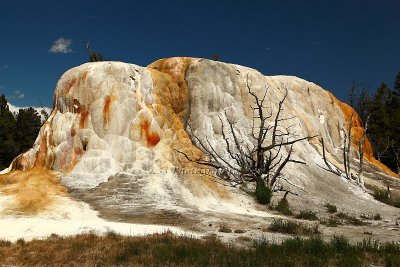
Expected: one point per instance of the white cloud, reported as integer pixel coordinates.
(61, 45)
(17, 95)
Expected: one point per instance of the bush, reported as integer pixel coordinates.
(331, 222)
(225, 229)
(381, 195)
(370, 216)
(307, 215)
(284, 207)
(263, 194)
(351, 219)
(331, 208)
(292, 227)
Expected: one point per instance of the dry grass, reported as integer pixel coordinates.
(169, 250)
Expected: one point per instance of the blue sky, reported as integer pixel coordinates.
(327, 42)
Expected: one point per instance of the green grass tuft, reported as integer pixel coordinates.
(307, 215)
(331, 208)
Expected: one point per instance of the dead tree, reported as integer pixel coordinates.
(347, 140)
(332, 169)
(261, 160)
(347, 148)
(396, 152)
(93, 56)
(361, 153)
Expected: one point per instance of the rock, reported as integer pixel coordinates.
(115, 127)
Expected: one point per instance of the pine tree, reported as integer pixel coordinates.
(8, 146)
(28, 126)
(397, 84)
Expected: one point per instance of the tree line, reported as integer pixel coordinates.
(17, 131)
(382, 110)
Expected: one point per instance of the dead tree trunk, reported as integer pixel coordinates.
(361, 153)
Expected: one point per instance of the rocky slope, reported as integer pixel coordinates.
(112, 136)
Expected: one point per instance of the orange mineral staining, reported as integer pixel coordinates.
(34, 190)
(357, 132)
(106, 110)
(152, 138)
(70, 84)
(83, 118)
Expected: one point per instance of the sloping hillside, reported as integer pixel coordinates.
(112, 138)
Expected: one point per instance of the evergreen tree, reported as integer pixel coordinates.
(397, 84)
(8, 147)
(17, 132)
(28, 126)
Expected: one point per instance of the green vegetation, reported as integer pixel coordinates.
(331, 208)
(170, 250)
(375, 216)
(225, 229)
(292, 227)
(284, 207)
(17, 132)
(331, 221)
(263, 194)
(307, 215)
(383, 195)
(93, 55)
(351, 219)
(383, 110)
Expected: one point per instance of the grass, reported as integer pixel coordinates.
(170, 250)
(307, 215)
(225, 229)
(284, 207)
(351, 219)
(292, 227)
(383, 195)
(331, 221)
(331, 208)
(370, 216)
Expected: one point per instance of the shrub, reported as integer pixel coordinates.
(340, 243)
(331, 208)
(307, 215)
(331, 222)
(239, 231)
(225, 229)
(292, 227)
(370, 216)
(381, 195)
(263, 194)
(351, 219)
(284, 207)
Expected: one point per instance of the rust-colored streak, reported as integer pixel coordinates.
(43, 158)
(83, 118)
(78, 151)
(151, 137)
(106, 110)
(73, 132)
(70, 84)
(84, 76)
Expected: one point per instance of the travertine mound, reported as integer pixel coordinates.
(112, 136)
